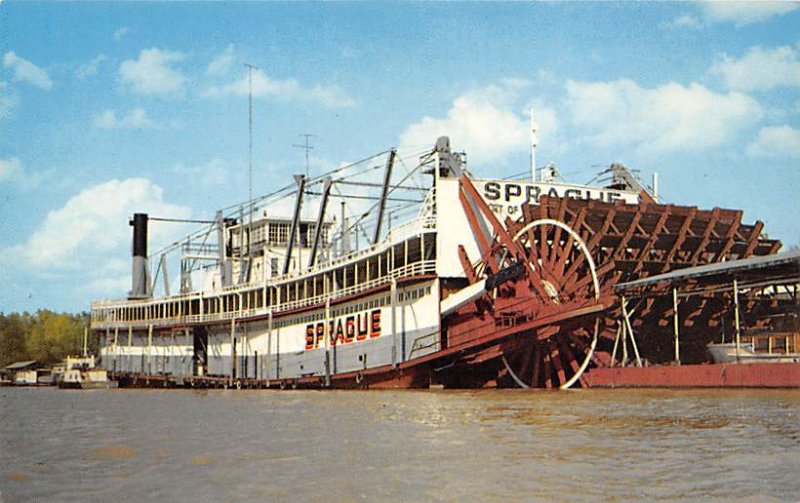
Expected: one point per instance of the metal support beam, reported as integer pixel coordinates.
(149, 349)
(300, 180)
(326, 191)
(233, 351)
(675, 323)
(116, 347)
(327, 333)
(387, 178)
(624, 343)
(244, 261)
(164, 273)
(616, 344)
(737, 325)
(393, 297)
(269, 344)
(224, 267)
(627, 317)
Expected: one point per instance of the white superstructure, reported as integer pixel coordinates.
(279, 301)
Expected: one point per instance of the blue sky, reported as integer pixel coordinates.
(107, 109)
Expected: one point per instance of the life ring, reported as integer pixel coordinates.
(359, 378)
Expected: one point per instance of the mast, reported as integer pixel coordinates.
(307, 146)
(250, 69)
(300, 180)
(326, 191)
(387, 178)
(534, 142)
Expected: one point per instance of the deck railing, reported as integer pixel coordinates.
(103, 316)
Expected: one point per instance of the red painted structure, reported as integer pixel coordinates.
(732, 375)
(556, 241)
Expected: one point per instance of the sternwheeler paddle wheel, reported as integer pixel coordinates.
(547, 311)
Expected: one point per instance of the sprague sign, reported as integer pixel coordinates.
(505, 198)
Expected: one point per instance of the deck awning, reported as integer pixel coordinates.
(31, 364)
(779, 269)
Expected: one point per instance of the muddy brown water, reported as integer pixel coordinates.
(182, 445)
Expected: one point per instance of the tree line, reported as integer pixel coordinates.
(44, 336)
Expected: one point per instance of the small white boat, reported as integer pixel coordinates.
(81, 373)
(86, 379)
(729, 352)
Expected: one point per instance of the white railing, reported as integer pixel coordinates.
(108, 320)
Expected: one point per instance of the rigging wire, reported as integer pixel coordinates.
(288, 190)
(371, 208)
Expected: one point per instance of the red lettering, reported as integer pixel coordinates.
(339, 332)
(320, 334)
(350, 329)
(376, 323)
(363, 327)
(309, 336)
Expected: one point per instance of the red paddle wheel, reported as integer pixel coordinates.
(548, 311)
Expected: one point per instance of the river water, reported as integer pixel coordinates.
(182, 445)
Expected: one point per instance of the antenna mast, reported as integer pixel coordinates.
(306, 146)
(250, 69)
(534, 141)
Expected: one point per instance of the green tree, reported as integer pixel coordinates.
(14, 330)
(54, 336)
(45, 336)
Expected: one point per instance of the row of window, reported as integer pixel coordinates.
(364, 273)
(277, 233)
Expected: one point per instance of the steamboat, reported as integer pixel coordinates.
(429, 276)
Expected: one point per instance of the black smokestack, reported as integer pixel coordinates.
(139, 274)
(139, 224)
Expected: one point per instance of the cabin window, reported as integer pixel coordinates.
(279, 232)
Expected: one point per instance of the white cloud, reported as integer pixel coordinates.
(776, 141)
(480, 121)
(25, 71)
(221, 64)
(120, 32)
(263, 86)
(92, 227)
(213, 173)
(13, 173)
(684, 21)
(136, 119)
(760, 69)
(152, 73)
(9, 168)
(7, 102)
(742, 13)
(330, 96)
(671, 117)
(90, 69)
